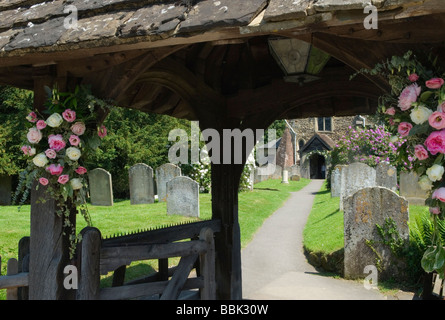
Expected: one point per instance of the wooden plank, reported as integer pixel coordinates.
(13, 269)
(14, 281)
(169, 234)
(89, 284)
(23, 292)
(144, 290)
(113, 257)
(176, 284)
(208, 266)
(119, 276)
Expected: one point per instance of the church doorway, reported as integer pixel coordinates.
(317, 167)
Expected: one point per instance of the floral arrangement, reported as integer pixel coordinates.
(57, 144)
(415, 111)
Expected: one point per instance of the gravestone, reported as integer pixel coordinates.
(5, 190)
(183, 197)
(141, 184)
(101, 187)
(363, 211)
(386, 176)
(336, 180)
(410, 188)
(164, 174)
(354, 177)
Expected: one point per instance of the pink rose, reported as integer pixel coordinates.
(78, 128)
(26, 150)
(41, 124)
(409, 96)
(63, 179)
(434, 83)
(441, 107)
(74, 140)
(391, 121)
(437, 120)
(56, 142)
(55, 169)
(413, 77)
(34, 135)
(69, 115)
(420, 152)
(439, 194)
(435, 210)
(81, 170)
(102, 131)
(32, 117)
(51, 154)
(404, 128)
(43, 181)
(435, 143)
(391, 111)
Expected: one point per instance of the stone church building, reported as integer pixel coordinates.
(302, 139)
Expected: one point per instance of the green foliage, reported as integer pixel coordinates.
(15, 104)
(134, 137)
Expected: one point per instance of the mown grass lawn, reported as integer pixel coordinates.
(254, 207)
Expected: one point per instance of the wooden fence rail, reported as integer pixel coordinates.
(13, 280)
(98, 259)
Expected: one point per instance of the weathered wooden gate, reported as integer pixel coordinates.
(193, 242)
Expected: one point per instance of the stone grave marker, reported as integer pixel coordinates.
(164, 174)
(183, 197)
(141, 184)
(101, 187)
(363, 246)
(410, 189)
(354, 177)
(5, 190)
(386, 176)
(336, 180)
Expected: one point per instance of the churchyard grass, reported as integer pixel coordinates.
(254, 207)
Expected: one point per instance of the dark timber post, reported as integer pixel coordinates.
(49, 247)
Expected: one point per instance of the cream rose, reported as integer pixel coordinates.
(76, 183)
(73, 153)
(420, 114)
(40, 160)
(435, 172)
(54, 120)
(34, 135)
(425, 183)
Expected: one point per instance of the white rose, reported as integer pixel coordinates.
(73, 153)
(425, 183)
(394, 139)
(32, 152)
(420, 114)
(40, 160)
(76, 183)
(54, 120)
(435, 172)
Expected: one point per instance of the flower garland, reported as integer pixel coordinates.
(415, 110)
(57, 147)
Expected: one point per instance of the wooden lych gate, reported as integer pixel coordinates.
(97, 256)
(209, 61)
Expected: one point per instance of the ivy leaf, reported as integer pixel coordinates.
(425, 96)
(419, 129)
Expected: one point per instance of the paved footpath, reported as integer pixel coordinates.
(274, 266)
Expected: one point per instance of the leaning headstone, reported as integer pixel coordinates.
(141, 184)
(336, 180)
(410, 188)
(5, 190)
(101, 187)
(363, 211)
(354, 177)
(386, 176)
(164, 174)
(183, 197)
